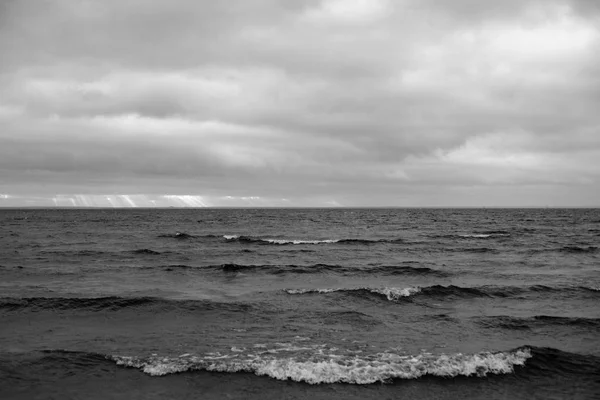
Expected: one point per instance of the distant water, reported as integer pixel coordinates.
(300, 304)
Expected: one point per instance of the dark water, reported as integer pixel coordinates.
(295, 304)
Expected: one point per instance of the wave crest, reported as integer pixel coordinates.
(578, 249)
(380, 367)
(178, 235)
(329, 268)
(390, 293)
(548, 321)
(475, 235)
(267, 241)
(451, 291)
(146, 251)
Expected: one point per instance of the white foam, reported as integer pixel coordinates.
(304, 291)
(286, 241)
(396, 293)
(390, 292)
(483, 235)
(475, 235)
(231, 237)
(334, 368)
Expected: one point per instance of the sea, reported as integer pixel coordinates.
(300, 303)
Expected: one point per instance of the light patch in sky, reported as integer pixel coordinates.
(567, 35)
(501, 150)
(126, 201)
(348, 11)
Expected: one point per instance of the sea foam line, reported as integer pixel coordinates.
(259, 240)
(391, 293)
(380, 367)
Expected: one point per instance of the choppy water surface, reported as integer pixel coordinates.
(275, 303)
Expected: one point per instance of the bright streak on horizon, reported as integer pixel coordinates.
(122, 201)
(128, 200)
(187, 200)
(149, 201)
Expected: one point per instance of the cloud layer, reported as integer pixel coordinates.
(330, 102)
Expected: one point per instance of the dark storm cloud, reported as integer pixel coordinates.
(348, 101)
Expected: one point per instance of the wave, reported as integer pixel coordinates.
(475, 250)
(8, 267)
(395, 294)
(62, 303)
(390, 293)
(317, 364)
(114, 303)
(578, 249)
(266, 241)
(80, 253)
(567, 290)
(484, 235)
(335, 368)
(177, 235)
(329, 268)
(407, 270)
(475, 235)
(146, 251)
(526, 323)
(565, 249)
(451, 291)
(187, 236)
(496, 232)
(172, 267)
(276, 269)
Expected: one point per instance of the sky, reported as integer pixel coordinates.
(320, 103)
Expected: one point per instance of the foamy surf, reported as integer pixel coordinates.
(284, 241)
(484, 235)
(267, 241)
(476, 235)
(391, 293)
(336, 368)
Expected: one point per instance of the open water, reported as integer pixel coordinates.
(300, 304)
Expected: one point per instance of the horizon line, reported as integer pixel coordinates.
(292, 207)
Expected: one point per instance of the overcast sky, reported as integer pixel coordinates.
(300, 103)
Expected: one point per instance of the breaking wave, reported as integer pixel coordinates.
(475, 235)
(388, 292)
(323, 367)
(320, 364)
(394, 294)
(267, 241)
